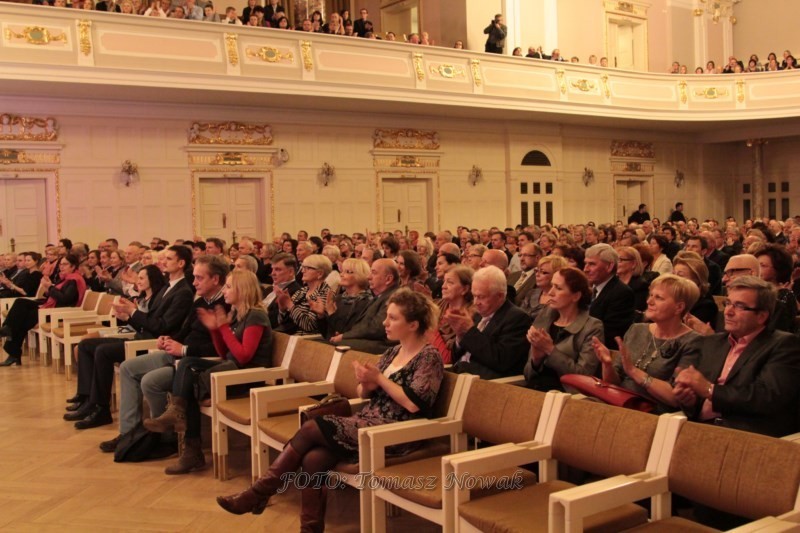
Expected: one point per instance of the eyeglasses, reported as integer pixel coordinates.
(625, 259)
(527, 255)
(348, 271)
(732, 271)
(306, 267)
(474, 256)
(739, 306)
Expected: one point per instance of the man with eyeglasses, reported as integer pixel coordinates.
(747, 376)
(740, 265)
(525, 280)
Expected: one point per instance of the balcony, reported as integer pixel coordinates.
(54, 52)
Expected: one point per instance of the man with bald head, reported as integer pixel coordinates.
(491, 343)
(740, 265)
(368, 334)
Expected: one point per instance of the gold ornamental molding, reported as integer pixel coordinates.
(475, 65)
(740, 91)
(405, 139)
(584, 85)
(19, 128)
(14, 157)
(230, 133)
(37, 35)
(417, 59)
(711, 93)
(232, 47)
(561, 81)
(637, 149)
(448, 71)
(406, 161)
(85, 36)
(305, 51)
(682, 90)
(632, 167)
(231, 159)
(606, 87)
(269, 54)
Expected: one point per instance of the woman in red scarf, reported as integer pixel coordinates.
(24, 314)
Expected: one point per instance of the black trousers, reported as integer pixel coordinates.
(23, 315)
(183, 386)
(96, 358)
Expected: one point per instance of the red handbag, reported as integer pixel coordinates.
(608, 393)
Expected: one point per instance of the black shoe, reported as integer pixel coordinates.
(78, 398)
(11, 361)
(76, 407)
(110, 446)
(83, 411)
(101, 416)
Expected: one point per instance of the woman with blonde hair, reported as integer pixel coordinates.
(334, 25)
(629, 271)
(339, 312)
(691, 266)
(538, 298)
(650, 354)
(295, 314)
(242, 337)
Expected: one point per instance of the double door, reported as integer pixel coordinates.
(231, 208)
(23, 215)
(406, 205)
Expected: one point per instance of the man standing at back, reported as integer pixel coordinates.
(612, 301)
(497, 32)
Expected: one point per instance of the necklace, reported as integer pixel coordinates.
(644, 360)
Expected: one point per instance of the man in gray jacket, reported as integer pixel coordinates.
(497, 32)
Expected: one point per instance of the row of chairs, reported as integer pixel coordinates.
(632, 456)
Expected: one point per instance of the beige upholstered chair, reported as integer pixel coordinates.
(48, 319)
(68, 330)
(306, 361)
(593, 437)
(492, 413)
(746, 474)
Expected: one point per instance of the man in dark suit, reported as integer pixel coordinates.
(108, 5)
(492, 343)
(613, 302)
(96, 357)
(699, 245)
(369, 334)
(525, 280)
(363, 25)
(639, 216)
(747, 376)
(284, 278)
(716, 241)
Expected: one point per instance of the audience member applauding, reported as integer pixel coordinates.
(340, 312)
(651, 353)
(538, 298)
(612, 300)
(295, 315)
(24, 314)
(243, 338)
(456, 295)
(492, 343)
(402, 386)
(561, 336)
(747, 376)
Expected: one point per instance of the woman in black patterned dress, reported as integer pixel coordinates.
(402, 386)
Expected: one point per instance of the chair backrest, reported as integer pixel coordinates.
(344, 382)
(104, 305)
(90, 300)
(310, 361)
(444, 400)
(737, 472)
(500, 413)
(603, 439)
(280, 341)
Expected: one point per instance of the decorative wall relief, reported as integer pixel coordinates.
(406, 139)
(230, 133)
(637, 149)
(19, 128)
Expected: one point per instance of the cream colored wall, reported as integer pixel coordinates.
(479, 14)
(764, 27)
(580, 29)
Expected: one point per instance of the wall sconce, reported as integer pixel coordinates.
(326, 174)
(475, 175)
(680, 179)
(129, 172)
(588, 176)
(280, 158)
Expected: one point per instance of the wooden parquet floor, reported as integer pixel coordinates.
(54, 478)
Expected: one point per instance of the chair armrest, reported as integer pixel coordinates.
(795, 437)
(309, 336)
(132, 347)
(485, 460)
(413, 430)
(511, 380)
(262, 396)
(221, 380)
(569, 507)
(57, 318)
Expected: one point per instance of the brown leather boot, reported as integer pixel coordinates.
(173, 418)
(191, 459)
(312, 511)
(254, 499)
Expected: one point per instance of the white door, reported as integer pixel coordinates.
(625, 47)
(629, 194)
(405, 205)
(23, 220)
(229, 205)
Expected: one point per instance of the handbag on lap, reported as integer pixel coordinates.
(608, 393)
(332, 404)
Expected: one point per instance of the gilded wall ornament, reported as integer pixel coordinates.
(232, 47)
(711, 93)
(606, 87)
(230, 133)
(18, 128)
(448, 71)
(682, 90)
(406, 139)
(85, 36)
(305, 51)
(584, 85)
(231, 159)
(14, 157)
(740, 91)
(269, 54)
(417, 59)
(561, 81)
(36, 35)
(475, 64)
(638, 149)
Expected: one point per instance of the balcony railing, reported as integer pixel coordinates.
(43, 47)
